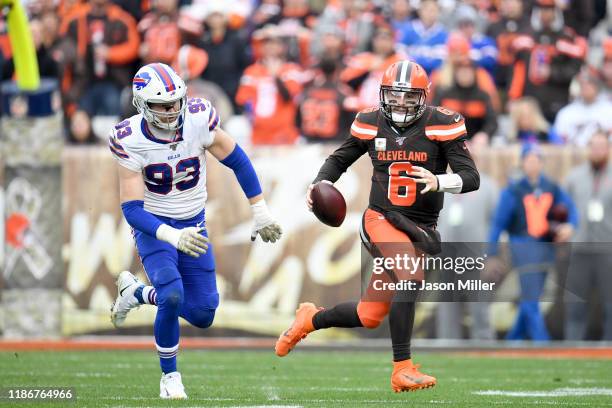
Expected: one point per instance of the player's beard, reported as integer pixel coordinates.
(402, 119)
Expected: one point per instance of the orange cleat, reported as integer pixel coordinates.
(302, 325)
(407, 377)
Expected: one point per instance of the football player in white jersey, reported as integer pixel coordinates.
(160, 155)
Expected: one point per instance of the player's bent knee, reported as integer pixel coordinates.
(369, 323)
(170, 295)
(371, 314)
(200, 317)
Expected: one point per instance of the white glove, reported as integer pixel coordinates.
(188, 240)
(264, 225)
(309, 192)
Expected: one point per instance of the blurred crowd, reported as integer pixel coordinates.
(287, 70)
(296, 71)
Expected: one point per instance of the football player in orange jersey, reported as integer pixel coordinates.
(409, 144)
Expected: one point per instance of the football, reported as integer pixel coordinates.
(328, 204)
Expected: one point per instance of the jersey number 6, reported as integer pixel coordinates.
(162, 174)
(397, 180)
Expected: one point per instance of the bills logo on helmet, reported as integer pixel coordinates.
(141, 80)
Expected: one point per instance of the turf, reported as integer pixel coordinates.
(305, 378)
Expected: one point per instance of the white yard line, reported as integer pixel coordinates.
(558, 392)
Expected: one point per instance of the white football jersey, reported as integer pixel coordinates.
(173, 171)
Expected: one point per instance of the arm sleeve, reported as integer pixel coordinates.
(340, 160)
(462, 164)
(239, 162)
(140, 219)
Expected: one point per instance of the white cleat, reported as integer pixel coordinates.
(171, 386)
(127, 284)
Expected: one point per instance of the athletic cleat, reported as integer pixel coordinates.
(302, 325)
(407, 377)
(171, 386)
(127, 284)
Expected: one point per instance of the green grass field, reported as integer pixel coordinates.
(308, 379)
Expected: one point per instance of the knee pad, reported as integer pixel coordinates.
(198, 316)
(371, 314)
(170, 295)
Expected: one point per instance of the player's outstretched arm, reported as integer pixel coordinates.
(230, 154)
(131, 192)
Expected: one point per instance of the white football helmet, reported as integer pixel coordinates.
(158, 83)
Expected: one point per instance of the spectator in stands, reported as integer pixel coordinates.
(332, 46)
(298, 12)
(483, 50)
(513, 22)
(523, 211)
(323, 114)
(364, 71)
(228, 52)
(547, 61)
(486, 11)
(606, 70)
(267, 91)
(579, 15)
(63, 52)
(401, 16)
(425, 37)
(598, 37)
(66, 7)
(577, 122)
(81, 132)
(590, 186)
(47, 66)
(528, 123)
(5, 45)
(466, 218)
(268, 12)
(107, 44)
(459, 54)
(464, 96)
(161, 33)
(353, 18)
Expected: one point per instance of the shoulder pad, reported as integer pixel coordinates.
(444, 125)
(365, 125)
(203, 113)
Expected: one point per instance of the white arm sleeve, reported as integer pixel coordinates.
(449, 183)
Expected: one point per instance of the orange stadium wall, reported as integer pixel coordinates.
(260, 284)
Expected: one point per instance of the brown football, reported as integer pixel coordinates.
(328, 204)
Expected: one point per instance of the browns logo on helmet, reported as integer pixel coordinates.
(403, 91)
